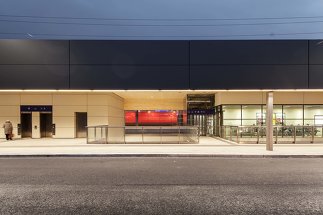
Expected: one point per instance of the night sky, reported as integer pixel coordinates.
(161, 19)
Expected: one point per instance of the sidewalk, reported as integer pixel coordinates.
(207, 147)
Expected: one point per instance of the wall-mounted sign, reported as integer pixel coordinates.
(201, 112)
(36, 108)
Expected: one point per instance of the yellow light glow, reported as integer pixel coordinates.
(152, 91)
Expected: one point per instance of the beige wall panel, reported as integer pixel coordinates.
(68, 110)
(64, 133)
(115, 101)
(116, 112)
(116, 121)
(14, 120)
(97, 120)
(59, 99)
(35, 125)
(241, 98)
(154, 104)
(36, 99)
(217, 98)
(97, 111)
(313, 98)
(288, 98)
(9, 111)
(64, 121)
(97, 99)
(114, 95)
(9, 99)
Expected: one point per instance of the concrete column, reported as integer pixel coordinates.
(269, 121)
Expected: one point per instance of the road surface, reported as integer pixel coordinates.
(161, 186)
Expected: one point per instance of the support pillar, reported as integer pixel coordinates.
(269, 121)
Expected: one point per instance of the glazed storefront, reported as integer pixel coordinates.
(284, 114)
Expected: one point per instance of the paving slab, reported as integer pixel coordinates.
(207, 147)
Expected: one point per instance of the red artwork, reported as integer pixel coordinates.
(130, 117)
(151, 118)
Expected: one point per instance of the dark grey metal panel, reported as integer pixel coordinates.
(249, 77)
(129, 52)
(34, 77)
(34, 52)
(316, 76)
(129, 77)
(249, 52)
(316, 51)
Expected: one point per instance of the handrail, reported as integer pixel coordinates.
(104, 134)
(282, 133)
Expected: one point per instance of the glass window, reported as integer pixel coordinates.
(293, 114)
(313, 114)
(232, 122)
(277, 115)
(231, 112)
(251, 114)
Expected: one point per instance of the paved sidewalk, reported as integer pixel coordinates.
(207, 147)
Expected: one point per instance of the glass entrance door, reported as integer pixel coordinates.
(26, 125)
(204, 122)
(46, 125)
(81, 123)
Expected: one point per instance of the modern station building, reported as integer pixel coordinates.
(54, 88)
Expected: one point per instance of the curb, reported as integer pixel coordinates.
(158, 156)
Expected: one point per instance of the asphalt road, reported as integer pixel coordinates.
(161, 186)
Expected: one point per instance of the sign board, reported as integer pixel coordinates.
(36, 108)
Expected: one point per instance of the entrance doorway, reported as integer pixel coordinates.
(81, 123)
(46, 125)
(204, 122)
(26, 125)
(201, 111)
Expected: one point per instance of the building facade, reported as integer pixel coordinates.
(53, 88)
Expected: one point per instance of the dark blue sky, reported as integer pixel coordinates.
(161, 19)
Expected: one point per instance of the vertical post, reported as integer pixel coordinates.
(106, 135)
(258, 130)
(230, 133)
(179, 134)
(95, 134)
(161, 134)
(124, 134)
(101, 133)
(269, 121)
(87, 135)
(142, 134)
(276, 135)
(313, 130)
(294, 132)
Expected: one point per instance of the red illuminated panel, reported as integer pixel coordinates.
(157, 118)
(130, 117)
